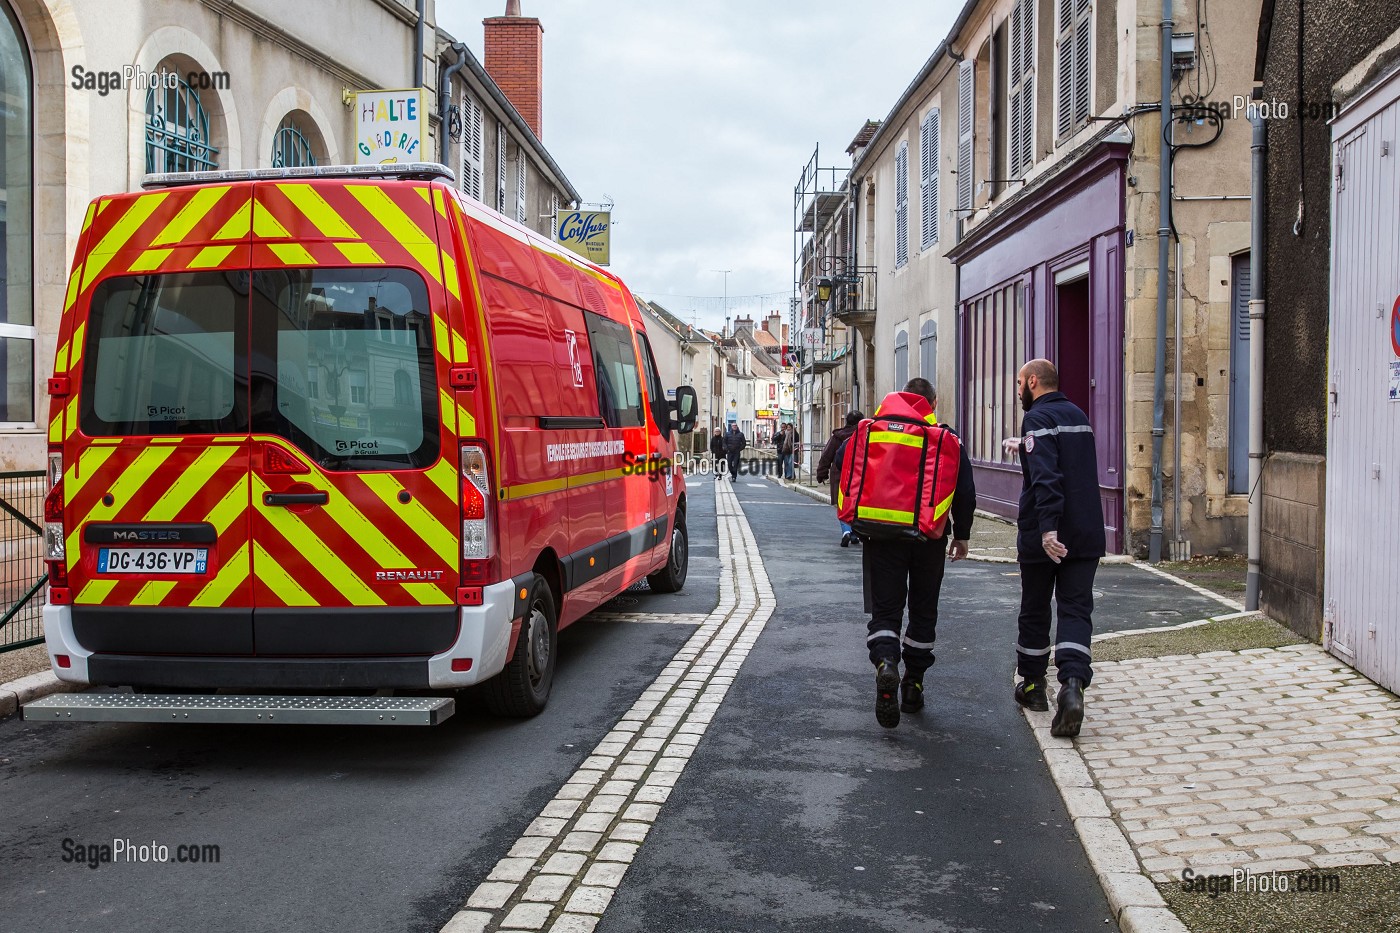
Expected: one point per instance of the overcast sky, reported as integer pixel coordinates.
(696, 118)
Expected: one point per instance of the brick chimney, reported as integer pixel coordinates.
(515, 61)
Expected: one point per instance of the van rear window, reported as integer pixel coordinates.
(343, 366)
(165, 355)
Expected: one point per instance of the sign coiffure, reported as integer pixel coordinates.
(389, 127)
(587, 233)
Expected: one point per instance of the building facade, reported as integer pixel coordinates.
(99, 94)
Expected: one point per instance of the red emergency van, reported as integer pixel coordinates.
(342, 430)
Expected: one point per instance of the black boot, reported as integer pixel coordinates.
(886, 694)
(1031, 694)
(911, 695)
(1069, 713)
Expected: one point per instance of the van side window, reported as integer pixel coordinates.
(343, 366)
(660, 412)
(166, 354)
(615, 369)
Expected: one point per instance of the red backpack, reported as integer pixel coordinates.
(899, 472)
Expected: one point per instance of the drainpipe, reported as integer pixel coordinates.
(1164, 229)
(445, 100)
(1178, 549)
(1259, 148)
(418, 44)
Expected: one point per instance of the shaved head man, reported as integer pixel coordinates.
(1059, 540)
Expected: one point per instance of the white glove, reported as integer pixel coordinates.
(1011, 446)
(1053, 548)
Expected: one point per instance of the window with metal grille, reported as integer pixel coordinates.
(901, 206)
(1072, 65)
(520, 212)
(928, 178)
(1020, 91)
(177, 129)
(290, 147)
(500, 167)
(473, 155)
(967, 78)
(901, 356)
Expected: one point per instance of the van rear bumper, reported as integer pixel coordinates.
(483, 635)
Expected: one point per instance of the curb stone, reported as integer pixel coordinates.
(1135, 901)
(16, 693)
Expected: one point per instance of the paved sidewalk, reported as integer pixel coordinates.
(1263, 760)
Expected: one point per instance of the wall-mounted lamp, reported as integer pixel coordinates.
(823, 288)
(347, 97)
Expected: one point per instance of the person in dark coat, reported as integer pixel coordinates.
(734, 443)
(1059, 540)
(825, 471)
(717, 448)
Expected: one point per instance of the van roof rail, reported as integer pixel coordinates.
(415, 171)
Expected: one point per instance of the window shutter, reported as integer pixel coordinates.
(473, 155)
(520, 214)
(928, 179)
(500, 167)
(1065, 70)
(1083, 43)
(928, 351)
(1021, 90)
(967, 77)
(901, 206)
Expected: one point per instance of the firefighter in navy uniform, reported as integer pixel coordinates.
(897, 572)
(1060, 538)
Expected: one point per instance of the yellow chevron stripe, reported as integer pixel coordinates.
(75, 346)
(266, 226)
(448, 407)
(70, 418)
(76, 476)
(443, 542)
(309, 544)
(360, 253)
(230, 576)
(444, 476)
(271, 574)
(438, 204)
(166, 439)
(195, 478)
(152, 593)
(211, 256)
(293, 254)
(56, 427)
(239, 225)
(460, 353)
(942, 507)
(233, 505)
(466, 423)
(196, 209)
(428, 594)
(314, 207)
(73, 282)
(130, 481)
(87, 218)
(423, 193)
(149, 260)
(60, 360)
(140, 211)
(94, 592)
(442, 341)
(449, 275)
(400, 227)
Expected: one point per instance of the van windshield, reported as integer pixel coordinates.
(343, 366)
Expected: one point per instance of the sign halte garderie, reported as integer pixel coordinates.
(389, 127)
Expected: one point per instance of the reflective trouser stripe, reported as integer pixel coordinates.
(917, 644)
(1072, 646)
(1031, 652)
(878, 635)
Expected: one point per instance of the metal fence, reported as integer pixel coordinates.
(22, 571)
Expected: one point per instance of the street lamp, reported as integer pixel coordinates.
(824, 288)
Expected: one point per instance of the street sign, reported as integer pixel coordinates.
(811, 337)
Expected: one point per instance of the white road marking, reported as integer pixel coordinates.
(562, 874)
(1198, 590)
(759, 485)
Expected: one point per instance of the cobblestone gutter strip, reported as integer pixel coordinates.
(16, 693)
(562, 874)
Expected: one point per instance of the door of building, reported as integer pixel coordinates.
(1361, 589)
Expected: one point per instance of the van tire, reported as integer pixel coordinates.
(522, 689)
(671, 578)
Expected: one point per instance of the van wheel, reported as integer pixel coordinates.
(522, 689)
(671, 578)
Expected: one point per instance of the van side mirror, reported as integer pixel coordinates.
(685, 408)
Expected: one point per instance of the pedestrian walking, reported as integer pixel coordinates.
(734, 443)
(717, 449)
(786, 444)
(825, 473)
(908, 570)
(1059, 541)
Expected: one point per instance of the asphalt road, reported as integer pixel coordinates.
(796, 812)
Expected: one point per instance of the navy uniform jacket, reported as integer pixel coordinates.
(1059, 481)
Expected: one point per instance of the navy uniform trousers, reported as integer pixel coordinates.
(1072, 584)
(896, 571)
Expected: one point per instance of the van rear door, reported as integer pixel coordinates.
(354, 476)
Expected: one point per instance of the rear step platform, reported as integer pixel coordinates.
(214, 708)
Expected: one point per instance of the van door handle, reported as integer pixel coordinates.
(296, 498)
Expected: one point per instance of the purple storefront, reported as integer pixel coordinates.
(1043, 277)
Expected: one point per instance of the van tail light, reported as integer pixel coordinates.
(54, 549)
(477, 553)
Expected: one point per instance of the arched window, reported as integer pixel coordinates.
(177, 129)
(290, 147)
(928, 351)
(901, 357)
(17, 331)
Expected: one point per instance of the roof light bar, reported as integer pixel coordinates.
(420, 171)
